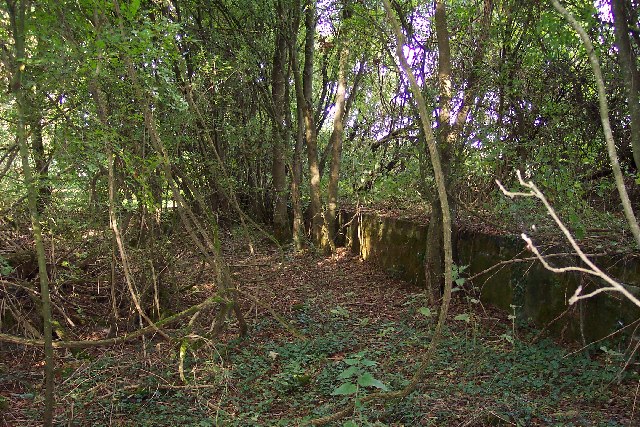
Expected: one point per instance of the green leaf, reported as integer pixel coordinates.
(133, 8)
(460, 281)
(367, 362)
(350, 423)
(367, 380)
(463, 317)
(345, 389)
(351, 362)
(425, 311)
(349, 372)
(507, 337)
(340, 311)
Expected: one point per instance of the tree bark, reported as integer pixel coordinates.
(630, 74)
(17, 16)
(425, 119)
(336, 149)
(434, 261)
(304, 91)
(278, 81)
(449, 134)
(41, 165)
(296, 168)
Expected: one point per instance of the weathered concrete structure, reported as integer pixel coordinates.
(539, 295)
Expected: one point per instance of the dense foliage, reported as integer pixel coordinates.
(131, 128)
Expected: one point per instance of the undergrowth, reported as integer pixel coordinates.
(280, 381)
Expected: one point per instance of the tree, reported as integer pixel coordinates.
(19, 15)
(631, 77)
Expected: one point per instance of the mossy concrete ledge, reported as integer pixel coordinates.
(535, 294)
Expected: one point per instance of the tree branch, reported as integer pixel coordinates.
(592, 268)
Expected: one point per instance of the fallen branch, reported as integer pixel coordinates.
(117, 340)
(36, 294)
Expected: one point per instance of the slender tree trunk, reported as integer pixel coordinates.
(101, 107)
(296, 182)
(32, 188)
(41, 166)
(17, 16)
(278, 81)
(336, 150)
(630, 74)
(296, 169)
(304, 90)
(349, 102)
(317, 220)
(449, 134)
(113, 222)
(434, 261)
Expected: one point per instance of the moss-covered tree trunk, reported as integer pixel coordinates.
(296, 182)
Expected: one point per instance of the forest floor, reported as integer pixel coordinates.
(360, 324)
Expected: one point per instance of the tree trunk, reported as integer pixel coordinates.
(304, 87)
(296, 168)
(630, 74)
(348, 103)
(278, 171)
(296, 182)
(17, 16)
(41, 165)
(336, 150)
(434, 261)
(433, 258)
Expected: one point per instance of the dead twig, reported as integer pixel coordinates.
(117, 340)
(591, 269)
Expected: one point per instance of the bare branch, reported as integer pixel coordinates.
(592, 269)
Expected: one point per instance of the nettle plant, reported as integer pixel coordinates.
(356, 376)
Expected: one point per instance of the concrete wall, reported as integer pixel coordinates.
(398, 246)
